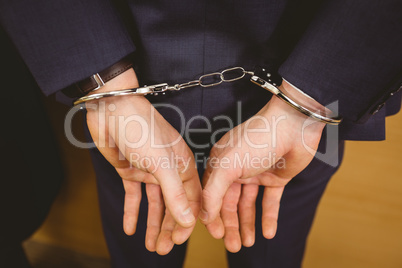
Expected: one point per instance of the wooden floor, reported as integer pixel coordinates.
(359, 221)
(358, 224)
(43, 255)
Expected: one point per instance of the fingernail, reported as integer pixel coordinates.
(203, 215)
(187, 216)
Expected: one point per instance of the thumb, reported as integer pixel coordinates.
(217, 181)
(175, 196)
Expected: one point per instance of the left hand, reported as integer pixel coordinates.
(144, 148)
(246, 157)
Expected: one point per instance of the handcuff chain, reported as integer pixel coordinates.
(206, 80)
(214, 79)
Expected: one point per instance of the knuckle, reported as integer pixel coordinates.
(229, 207)
(181, 194)
(210, 197)
(247, 200)
(214, 150)
(123, 173)
(206, 194)
(182, 164)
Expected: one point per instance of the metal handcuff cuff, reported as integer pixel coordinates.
(214, 79)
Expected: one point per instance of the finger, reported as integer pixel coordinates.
(230, 218)
(181, 234)
(191, 183)
(247, 214)
(215, 189)
(207, 174)
(132, 202)
(270, 210)
(156, 211)
(175, 196)
(216, 228)
(165, 242)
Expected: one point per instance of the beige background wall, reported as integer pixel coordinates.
(359, 221)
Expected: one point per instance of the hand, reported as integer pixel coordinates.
(269, 150)
(144, 147)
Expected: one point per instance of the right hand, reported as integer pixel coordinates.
(122, 132)
(273, 147)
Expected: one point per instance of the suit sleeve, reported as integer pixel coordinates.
(350, 53)
(65, 41)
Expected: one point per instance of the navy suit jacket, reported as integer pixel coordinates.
(334, 50)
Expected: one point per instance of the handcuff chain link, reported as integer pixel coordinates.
(227, 75)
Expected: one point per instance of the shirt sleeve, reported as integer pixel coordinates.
(351, 54)
(65, 41)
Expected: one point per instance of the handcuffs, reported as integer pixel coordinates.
(216, 78)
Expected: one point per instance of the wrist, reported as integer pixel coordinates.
(277, 108)
(297, 99)
(302, 98)
(127, 79)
